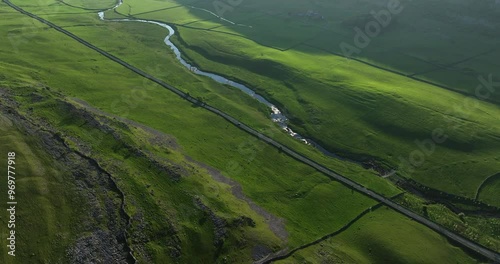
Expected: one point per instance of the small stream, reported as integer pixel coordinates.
(276, 115)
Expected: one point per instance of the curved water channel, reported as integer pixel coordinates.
(276, 115)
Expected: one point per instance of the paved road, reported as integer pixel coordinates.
(494, 256)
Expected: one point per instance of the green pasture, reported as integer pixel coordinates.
(382, 236)
(352, 108)
(271, 179)
(141, 37)
(482, 229)
(379, 116)
(49, 211)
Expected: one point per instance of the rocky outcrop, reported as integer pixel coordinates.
(105, 219)
(220, 224)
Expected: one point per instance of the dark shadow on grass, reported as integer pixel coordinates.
(288, 20)
(450, 65)
(157, 10)
(485, 183)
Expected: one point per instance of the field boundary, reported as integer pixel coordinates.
(290, 253)
(449, 65)
(410, 76)
(484, 183)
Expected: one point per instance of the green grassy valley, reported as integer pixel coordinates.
(376, 114)
(112, 166)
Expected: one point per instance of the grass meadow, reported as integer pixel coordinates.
(376, 114)
(269, 178)
(352, 108)
(48, 209)
(371, 238)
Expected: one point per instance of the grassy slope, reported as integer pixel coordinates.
(293, 190)
(375, 113)
(142, 37)
(92, 3)
(49, 210)
(382, 236)
(464, 29)
(380, 116)
(489, 190)
(483, 230)
(161, 207)
(271, 179)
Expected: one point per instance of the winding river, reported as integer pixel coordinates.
(276, 115)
